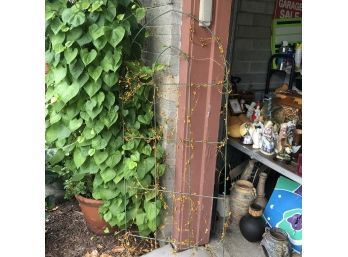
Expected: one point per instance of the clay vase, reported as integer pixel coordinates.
(242, 195)
(94, 221)
(252, 225)
(260, 190)
(275, 243)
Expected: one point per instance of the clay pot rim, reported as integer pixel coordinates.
(278, 234)
(255, 210)
(88, 201)
(244, 184)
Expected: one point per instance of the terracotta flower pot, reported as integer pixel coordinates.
(89, 208)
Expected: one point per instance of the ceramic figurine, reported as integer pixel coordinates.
(291, 128)
(283, 148)
(257, 134)
(268, 139)
(257, 113)
(250, 109)
(242, 102)
(246, 130)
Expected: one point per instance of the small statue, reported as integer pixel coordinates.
(250, 109)
(291, 128)
(257, 135)
(242, 102)
(246, 131)
(283, 148)
(267, 139)
(256, 114)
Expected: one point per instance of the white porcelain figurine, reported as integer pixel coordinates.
(257, 135)
(268, 139)
(250, 109)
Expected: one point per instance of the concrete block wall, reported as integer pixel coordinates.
(164, 26)
(252, 44)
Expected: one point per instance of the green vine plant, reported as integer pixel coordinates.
(101, 134)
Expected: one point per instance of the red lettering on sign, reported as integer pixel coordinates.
(287, 9)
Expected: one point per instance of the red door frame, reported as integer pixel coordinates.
(198, 122)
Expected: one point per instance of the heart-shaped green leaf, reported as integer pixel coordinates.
(75, 124)
(129, 145)
(99, 125)
(95, 72)
(100, 43)
(74, 34)
(56, 25)
(116, 36)
(100, 157)
(58, 48)
(109, 100)
(70, 54)
(111, 118)
(79, 157)
(88, 57)
(85, 39)
(140, 14)
(135, 157)
(108, 175)
(110, 78)
(95, 31)
(107, 62)
(114, 159)
(57, 38)
(100, 98)
(56, 131)
(55, 117)
(90, 104)
(95, 6)
(72, 17)
(89, 166)
(82, 79)
(92, 87)
(59, 74)
(111, 11)
(99, 143)
(67, 92)
(76, 68)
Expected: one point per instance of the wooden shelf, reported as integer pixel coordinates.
(286, 170)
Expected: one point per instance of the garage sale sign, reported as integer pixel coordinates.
(287, 9)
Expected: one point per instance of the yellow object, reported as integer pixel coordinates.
(244, 128)
(233, 126)
(243, 118)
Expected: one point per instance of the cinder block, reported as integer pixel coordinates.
(264, 20)
(240, 67)
(258, 67)
(162, 15)
(158, 44)
(245, 18)
(243, 44)
(257, 7)
(164, 30)
(262, 44)
(252, 78)
(255, 55)
(253, 32)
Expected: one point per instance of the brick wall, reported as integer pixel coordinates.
(164, 32)
(252, 43)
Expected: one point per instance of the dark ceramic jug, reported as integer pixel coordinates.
(252, 225)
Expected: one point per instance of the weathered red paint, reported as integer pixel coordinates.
(195, 176)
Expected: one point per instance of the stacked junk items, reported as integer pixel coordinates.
(276, 223)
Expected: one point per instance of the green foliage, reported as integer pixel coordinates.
(100, 132)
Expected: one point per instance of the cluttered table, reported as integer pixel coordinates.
(287, 170)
